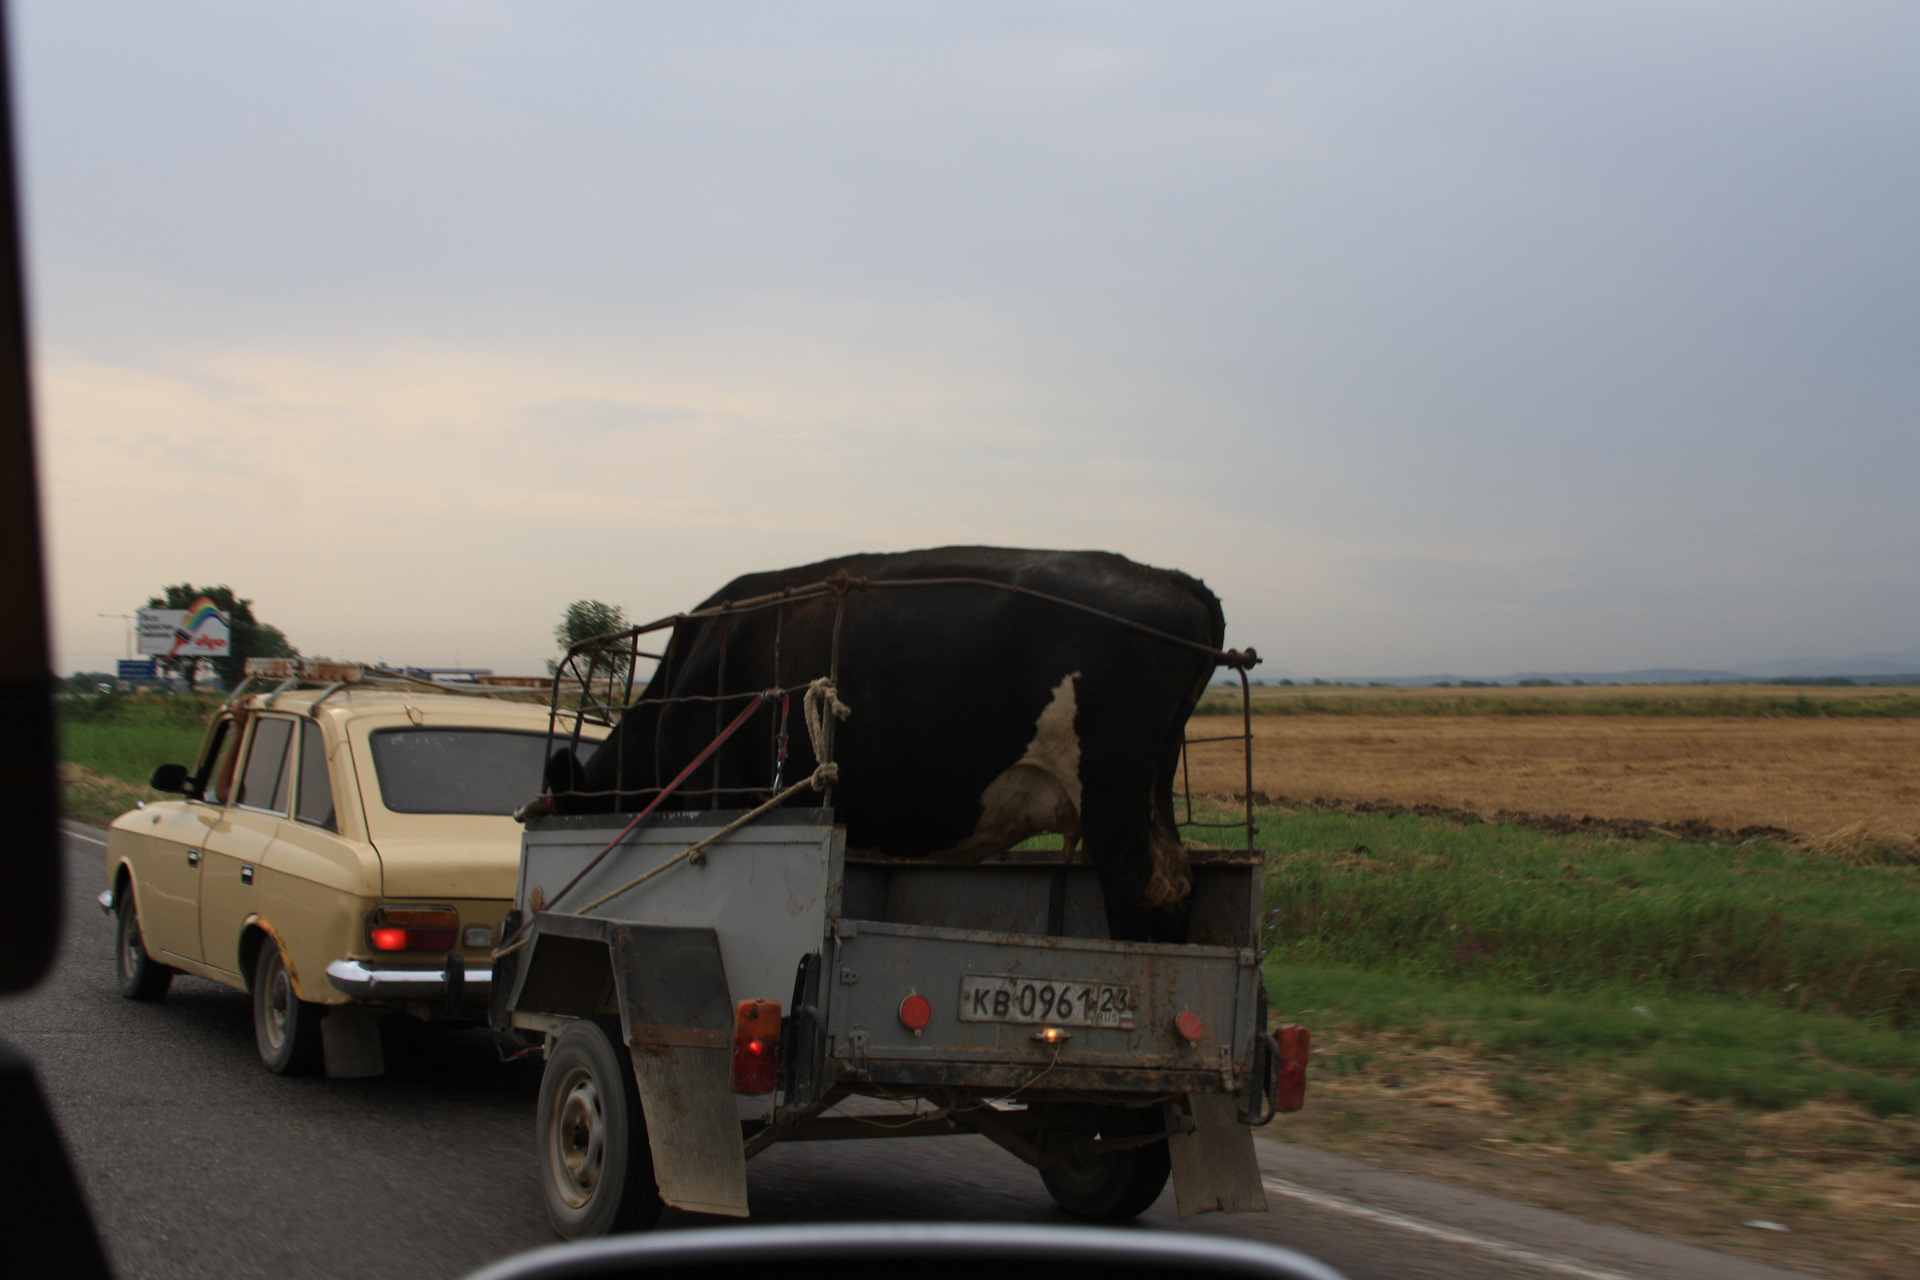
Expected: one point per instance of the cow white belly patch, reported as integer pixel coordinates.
(1039, 792)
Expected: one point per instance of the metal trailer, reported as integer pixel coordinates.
(705, 984)
(990, 995)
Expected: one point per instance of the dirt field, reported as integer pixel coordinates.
(1816, 776)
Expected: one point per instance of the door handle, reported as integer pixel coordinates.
(193, 857)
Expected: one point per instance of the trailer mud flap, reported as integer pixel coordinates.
(678, 1018)
(1214, 1168)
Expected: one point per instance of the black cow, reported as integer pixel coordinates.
(978, 717)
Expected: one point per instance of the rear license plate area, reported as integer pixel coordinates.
(998, 998)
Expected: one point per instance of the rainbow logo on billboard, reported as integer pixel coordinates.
(201, 631)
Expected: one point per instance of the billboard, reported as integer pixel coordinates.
(136, 669)
(197, 632)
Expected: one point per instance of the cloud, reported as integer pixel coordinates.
(1483, 339)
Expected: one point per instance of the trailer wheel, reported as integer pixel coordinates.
(595, 1164)
(1117, 1186)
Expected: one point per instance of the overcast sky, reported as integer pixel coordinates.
(1464, 337)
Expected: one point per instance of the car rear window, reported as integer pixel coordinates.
(491, 771)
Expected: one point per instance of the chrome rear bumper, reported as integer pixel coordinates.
(454, 982)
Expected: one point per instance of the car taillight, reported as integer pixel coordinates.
(756, 1045)
(413, 928)
(1294, 1044)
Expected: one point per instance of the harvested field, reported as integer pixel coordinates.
(1844, 780)
(1740, 700)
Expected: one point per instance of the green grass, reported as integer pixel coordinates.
(1531, 912)
(125, 737)
(1737, 1051)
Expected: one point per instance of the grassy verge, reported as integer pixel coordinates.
(1691, 1020)
(109, 745)
(1734, 1051)
(1531, 912)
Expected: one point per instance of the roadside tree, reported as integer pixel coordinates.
(585, 619)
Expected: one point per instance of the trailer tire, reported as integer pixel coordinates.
(1118, 1186)
(596, 1167)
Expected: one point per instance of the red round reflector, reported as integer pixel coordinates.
(915, 1012)
(1188, 1024)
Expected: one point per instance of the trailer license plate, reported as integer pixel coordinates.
(1068, 1004)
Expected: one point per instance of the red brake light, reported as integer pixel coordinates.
(414, 928)
(1295, 1044)
(1189, 1026)
(756, 1046)
(915, 1012)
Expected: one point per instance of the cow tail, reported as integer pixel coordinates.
(1171, 872)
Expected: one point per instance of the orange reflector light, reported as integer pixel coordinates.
(1189, 1026)
(1295, 1044)
(756, 1046)
(915, 1012)
(413, 928)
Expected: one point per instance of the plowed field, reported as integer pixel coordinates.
(1822, 777)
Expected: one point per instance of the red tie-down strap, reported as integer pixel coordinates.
(1294, 1043)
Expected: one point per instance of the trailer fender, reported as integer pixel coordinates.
(678, 1017)
(1214, 1167)
(669, 987)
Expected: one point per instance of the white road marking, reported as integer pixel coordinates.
(1544, 1261)
(75, 835)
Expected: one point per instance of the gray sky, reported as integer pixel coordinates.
(1466, 337)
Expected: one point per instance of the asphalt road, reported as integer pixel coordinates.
(198, 1162)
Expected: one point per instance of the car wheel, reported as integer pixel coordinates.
(1116, 1186)
(285, 1027)
(141, 976)
(595, 1162)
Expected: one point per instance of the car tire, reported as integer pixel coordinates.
(1117, 1186)
(141, 976)
(285, 1028)
(596, 1167)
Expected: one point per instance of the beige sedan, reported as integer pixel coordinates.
(338, 852)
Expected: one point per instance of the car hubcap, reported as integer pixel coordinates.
(130, 951)
(576, 1141)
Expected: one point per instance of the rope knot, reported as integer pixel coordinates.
(825, 776)
(821, 701)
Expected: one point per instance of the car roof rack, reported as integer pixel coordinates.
(311, 673)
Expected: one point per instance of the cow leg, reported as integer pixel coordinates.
(1023, 801)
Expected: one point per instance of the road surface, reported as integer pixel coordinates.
(198, 1162)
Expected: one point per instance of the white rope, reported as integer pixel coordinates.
(821, 698)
